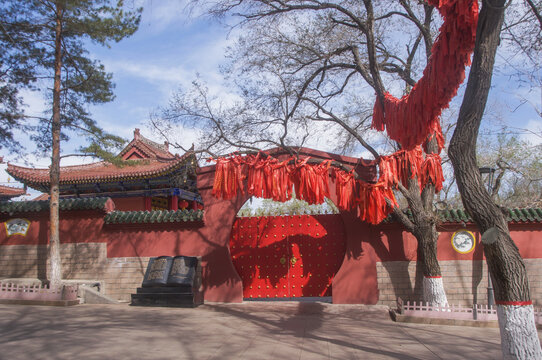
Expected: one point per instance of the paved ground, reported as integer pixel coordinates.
(234, 331)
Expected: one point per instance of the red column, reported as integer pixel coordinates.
(173, 202)
(148, 203)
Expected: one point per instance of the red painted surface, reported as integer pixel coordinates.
(290, 256)
(74, 227)
(210, 241)
(130, 203)
(514, 303)
(355, 281)
(173, 201)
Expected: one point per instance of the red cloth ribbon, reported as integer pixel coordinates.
(514, 303)
(412, 118)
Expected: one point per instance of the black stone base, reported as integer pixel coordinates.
(181, 296)
(164, 299)
(171, 282)
(166, 290)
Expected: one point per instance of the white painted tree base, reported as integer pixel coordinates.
(433, 291)
(519, 337)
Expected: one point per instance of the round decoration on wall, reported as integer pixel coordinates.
(463, 241)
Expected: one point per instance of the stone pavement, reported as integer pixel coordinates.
(252, 330)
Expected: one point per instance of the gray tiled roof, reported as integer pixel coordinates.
(516, 215)
(12, 207)
(513, 215)
(155, 216)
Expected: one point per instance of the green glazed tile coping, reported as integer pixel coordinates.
(153, 217)
(11, 207)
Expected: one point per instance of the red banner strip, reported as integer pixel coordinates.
(432, 277)
(517, 303)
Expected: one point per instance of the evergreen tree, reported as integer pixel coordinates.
(18, 61)
(51, 36)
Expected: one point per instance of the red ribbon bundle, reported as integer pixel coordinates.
(346, 189)
(311, 181)
(369, 199)
(228, 178)
(274, 179)
(432, 171)
(271, 179)
(372, 204)
(267, 178)
(412, 118)
(406, 164)
(400, 166)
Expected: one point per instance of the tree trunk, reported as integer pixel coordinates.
(423, 227)
(54, 238)
(433, 287)
(519, 338)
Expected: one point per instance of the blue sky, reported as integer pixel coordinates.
(171, 47)
(167, 51)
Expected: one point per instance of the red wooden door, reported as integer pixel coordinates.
(287, 257)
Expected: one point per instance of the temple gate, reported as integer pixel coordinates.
(287, 256)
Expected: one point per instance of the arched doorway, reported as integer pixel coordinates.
(287, 257)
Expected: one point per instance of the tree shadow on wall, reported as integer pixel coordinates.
(477, 271)
(118, 246)
(35, 266)
(214, 257)
(271, 251)
(397, 260)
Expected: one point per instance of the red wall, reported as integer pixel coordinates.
(130, 203)
(355, 282)
(74, 227)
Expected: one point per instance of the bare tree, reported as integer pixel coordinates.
(519, 337)
(308, 70)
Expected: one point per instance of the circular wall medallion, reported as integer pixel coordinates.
(463, 241)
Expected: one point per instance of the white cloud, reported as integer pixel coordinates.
(534, 134)
(34, 101)
(165, 78)
(160, 14)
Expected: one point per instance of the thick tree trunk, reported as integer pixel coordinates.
(54, 238)
(433, 287)
(423, 227)
(519, 338)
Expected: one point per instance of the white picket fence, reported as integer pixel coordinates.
(37, 292)
(476, 312)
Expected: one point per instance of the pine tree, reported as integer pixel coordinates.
(52, 35)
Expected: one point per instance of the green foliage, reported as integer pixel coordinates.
(17, 71)
(293, 206)
(27, 35)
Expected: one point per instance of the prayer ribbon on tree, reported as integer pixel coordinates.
(311, 181)
(345, 188)
(228, 178)
(432, 171)
(411, 119)
(370, 200)
(372, 203)
(273, 179)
